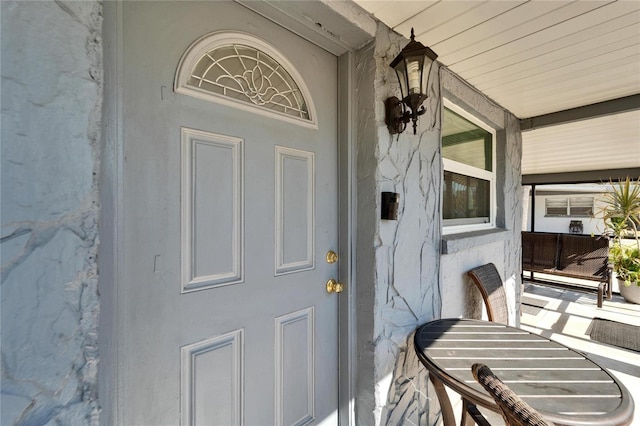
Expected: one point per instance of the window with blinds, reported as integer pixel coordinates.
(569, 206)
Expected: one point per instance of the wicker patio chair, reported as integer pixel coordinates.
(514, 410)
(488, 281)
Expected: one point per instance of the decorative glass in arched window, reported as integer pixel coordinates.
(242, 71)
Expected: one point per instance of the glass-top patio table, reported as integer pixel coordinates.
(564, 385)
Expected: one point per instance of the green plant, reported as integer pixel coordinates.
(621, 216)
(626, 262)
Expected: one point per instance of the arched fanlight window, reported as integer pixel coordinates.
(245, 72)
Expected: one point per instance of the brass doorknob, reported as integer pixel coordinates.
(331, 257)
(334, 287)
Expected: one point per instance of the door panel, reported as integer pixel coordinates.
(223, 313)
(294, 368)
(212, 371)
(212, 252)
(295, 199)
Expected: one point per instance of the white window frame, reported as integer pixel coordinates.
(568, 206)
(454, 226)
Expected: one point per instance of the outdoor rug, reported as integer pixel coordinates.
(615, 333)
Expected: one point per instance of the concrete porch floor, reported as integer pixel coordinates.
(565, 315)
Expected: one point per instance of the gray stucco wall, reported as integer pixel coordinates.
(461, 252)
(51, 106)
(407, 272)
(51, 120)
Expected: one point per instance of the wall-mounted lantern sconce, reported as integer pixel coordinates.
(412, 66)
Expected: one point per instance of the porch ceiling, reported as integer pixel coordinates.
(608, 142)
(532, 57)
(542, 57)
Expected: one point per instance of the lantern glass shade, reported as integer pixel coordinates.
(412, 67)
(413, 74)
(427, 62)
(401, 73)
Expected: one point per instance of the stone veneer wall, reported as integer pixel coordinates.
(51, 112)
(398, 262)
(401, 265)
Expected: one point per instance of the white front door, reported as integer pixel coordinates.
(223, 313)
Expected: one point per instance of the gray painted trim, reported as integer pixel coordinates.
(347, 348)
(308, 20)
(456, 242)
(110, 255)
(589, 176)
(119, 208)
(569, 193)
(466, 97)
(600, 109)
